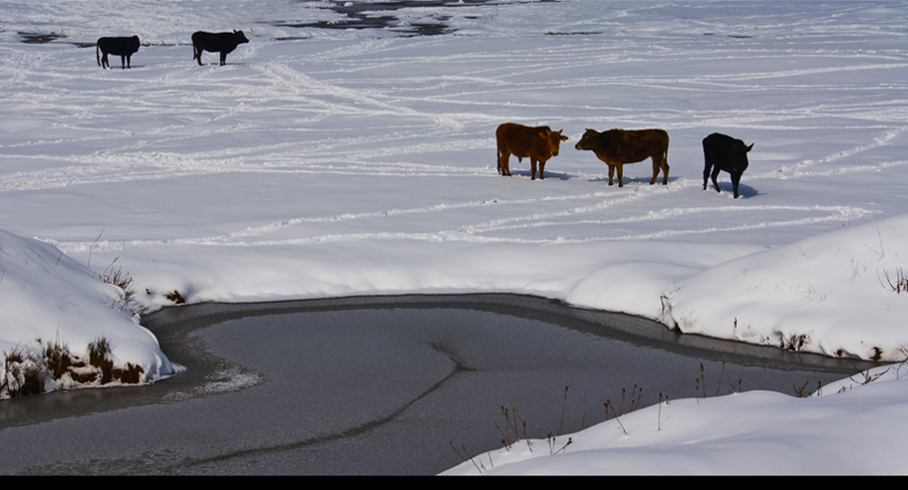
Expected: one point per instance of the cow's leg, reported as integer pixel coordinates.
(123, 61)
(611, 174)
(541, 169)
(735, 180)
(223, 58)
(128, 61)
(620, 175)
(706, 171)
(198, 54)
(532, 169)
(104, 62)
(665, 168)
(504, 166)
(716, 171)
(657, 163)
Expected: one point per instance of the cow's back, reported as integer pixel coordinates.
(218, 41)
(717, 143)
(201, 38)
(726, 152)
(120, 46)
(631, 146)
(522, 141)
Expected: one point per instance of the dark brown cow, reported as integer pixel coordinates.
(539, 144)
(723, 152)
(618, 147)
(216, 42)
(123, 47)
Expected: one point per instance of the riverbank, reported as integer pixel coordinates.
(397, 379)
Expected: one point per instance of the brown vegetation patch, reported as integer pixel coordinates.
(176, 297)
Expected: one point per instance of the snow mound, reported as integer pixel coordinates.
(46, 296)
(839, 294)
(757, 432)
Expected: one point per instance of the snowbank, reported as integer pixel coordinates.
(851, 428)
(46, 297)
(842, 294)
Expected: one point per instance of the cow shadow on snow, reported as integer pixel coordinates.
(548, 175)
(633, 180)
(744, 191)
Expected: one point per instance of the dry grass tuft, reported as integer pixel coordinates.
(123, 280)
(31, 371)
(23, 373)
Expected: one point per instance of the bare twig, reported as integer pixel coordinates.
(91, 249)
(563, 404)
(608, 404)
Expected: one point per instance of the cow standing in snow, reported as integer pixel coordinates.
(723, 152)
(123, 47)
(218, 42)
(539, 144)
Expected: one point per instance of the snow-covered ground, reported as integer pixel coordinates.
(325, 162)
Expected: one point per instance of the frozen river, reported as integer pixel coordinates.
(381, 385)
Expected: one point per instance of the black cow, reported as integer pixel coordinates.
(723, 152)
(123, 47)
(218, 42)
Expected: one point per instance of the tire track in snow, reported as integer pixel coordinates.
(797, 170)
(480, 232)
(464, 234)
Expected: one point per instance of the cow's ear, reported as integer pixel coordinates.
(750, 147)
(563, 137)
(543, 135)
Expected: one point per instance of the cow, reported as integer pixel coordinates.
(123, 47)
(723, 152)
(216, 42)
(538, 143)
(617, 147)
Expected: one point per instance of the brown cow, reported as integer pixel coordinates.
(617, 147)
(539, 144)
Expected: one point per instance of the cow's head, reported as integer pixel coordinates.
(741, 150)
(739, 156)
(553, 140)
(584, 143)
(239, 37)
